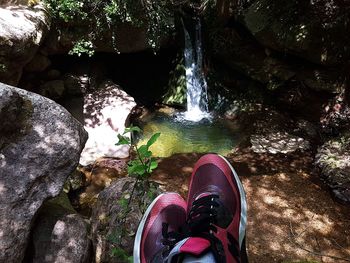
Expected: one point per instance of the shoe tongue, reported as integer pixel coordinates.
(203, 195)
(193, 246)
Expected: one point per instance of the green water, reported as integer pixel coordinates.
(219, 136)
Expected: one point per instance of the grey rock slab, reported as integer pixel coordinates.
(35, 160)
(106, 113)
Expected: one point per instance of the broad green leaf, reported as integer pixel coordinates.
(132, 129)
(122, 140)
(139, 169)
(153, 165)
(153, 139)
(144, 152)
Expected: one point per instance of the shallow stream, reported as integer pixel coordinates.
(181, 136)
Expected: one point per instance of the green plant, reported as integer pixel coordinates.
(82, 47)
(67, 10)
(156, 16)
(141, 167)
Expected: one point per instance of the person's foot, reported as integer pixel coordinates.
(158, 229)
(217, 208)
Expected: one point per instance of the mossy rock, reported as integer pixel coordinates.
(176, 94)
(332, 158)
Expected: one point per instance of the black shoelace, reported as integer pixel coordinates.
(201, 222)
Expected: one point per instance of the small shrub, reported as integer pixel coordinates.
(143, 165)
(140, 167)
(156, 16)
(82, 47)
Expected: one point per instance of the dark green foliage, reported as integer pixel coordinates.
(82, 47)
(101, 15)
(140, 167)
(144, 164)
(156, 16)
(176, 94)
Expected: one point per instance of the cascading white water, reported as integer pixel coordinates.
(197, 101)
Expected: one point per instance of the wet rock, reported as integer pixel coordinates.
(60, 234)
(53, 89)
(22, 29)
(303, 28)
(112, 227)
(333, 159)
(106, 113)
(49, 142)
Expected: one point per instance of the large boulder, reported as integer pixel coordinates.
(238, 51)
(333, 159)
(114, 225)
(60, 234)
(40, 146)
(106, 113)
(22, 29)
(307, 29)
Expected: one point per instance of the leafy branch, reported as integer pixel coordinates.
(144, 164)
(141, 167)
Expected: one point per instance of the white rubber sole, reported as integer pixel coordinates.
(137, 242)
(243, 221)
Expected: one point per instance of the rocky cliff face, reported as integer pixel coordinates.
(279, 41)
(312, 30)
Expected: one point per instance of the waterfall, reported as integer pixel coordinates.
(197, 99)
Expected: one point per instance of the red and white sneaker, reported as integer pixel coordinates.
(217, 208)
(158, 231)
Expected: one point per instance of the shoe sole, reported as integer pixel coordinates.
(243, 219)
(138, 237)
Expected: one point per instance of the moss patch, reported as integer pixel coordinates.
(176, 94)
